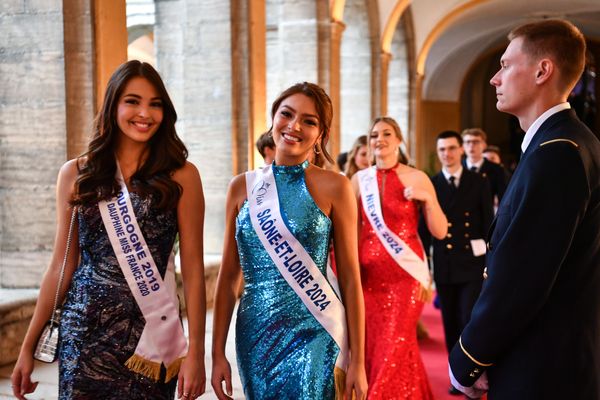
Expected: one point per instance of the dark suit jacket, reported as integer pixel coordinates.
(496, 174)
(470, 213)
(536, 325)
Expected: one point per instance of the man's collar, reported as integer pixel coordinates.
(457, 174)
(478, 164)
(539, 121)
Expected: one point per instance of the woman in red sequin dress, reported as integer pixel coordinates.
(393, 298)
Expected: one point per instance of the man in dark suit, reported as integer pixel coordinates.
(534, 332)
(458, 259)
(474, 143)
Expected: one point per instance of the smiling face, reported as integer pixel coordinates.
(515, 82)
(383, 140)
(449, 152)
(139, 111)
(296, 129)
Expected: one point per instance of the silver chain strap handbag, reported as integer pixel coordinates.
(46, 349)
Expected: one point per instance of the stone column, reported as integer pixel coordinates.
(110, 41)
(385, 58)
(337, 29)
(32, 136)
(249, 81)
(197, 67)
(79, 74)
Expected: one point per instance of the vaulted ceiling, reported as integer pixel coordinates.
(450, 35)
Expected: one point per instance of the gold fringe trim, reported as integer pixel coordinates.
(173, 369)
(339, 380)
(144, 367)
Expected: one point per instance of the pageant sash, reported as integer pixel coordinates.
(293, 261)
(162, 340)
(396, 247)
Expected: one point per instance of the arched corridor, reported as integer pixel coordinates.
(426, 63)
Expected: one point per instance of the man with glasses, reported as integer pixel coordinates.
(474, 143)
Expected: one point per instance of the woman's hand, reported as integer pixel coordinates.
(21, 377)
(192, 378)
(416, 194)
(356, 382)
(221, 371)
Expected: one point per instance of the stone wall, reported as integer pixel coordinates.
(193, 49)
(399, 83)
(355, 73)
(16, 310)
(32, 135)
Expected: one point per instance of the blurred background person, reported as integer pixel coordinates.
(492, 153)
(266, 147)
(474, 141)
(357, 157)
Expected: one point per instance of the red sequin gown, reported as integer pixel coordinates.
(392, 305)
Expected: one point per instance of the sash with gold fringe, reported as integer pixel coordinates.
(162, 340)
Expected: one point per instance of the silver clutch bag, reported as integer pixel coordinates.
(47, 346)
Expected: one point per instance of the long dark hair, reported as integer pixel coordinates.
(166, 152)
(322, 105)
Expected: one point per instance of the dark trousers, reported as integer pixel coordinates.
(456, 301)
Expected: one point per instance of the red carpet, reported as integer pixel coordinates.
(435, 357)
(433, 352)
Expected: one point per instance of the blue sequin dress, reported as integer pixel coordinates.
(101, 323)
(282, 350)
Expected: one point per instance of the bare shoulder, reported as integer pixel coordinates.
(186, 174)
(68, 172)
(328, 180)
(412, 176)
(236, 194)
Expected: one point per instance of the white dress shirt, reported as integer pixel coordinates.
(457, 174)
(539, 121)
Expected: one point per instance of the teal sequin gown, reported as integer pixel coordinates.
(282, 350)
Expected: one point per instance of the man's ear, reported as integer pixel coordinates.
(544, 71)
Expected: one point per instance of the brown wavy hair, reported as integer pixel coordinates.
(165, 151)
(322, 104)
(351, 167)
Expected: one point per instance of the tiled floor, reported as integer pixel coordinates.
(47, 374)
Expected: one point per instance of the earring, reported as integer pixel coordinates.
(316, 149)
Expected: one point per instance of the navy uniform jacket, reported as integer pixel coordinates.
(496, 174)
(536, 325)
(470, 213)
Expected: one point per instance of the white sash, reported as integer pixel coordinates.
(396, 247)
(162, 340)
(292, 260)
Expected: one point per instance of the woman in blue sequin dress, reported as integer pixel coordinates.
(101, 322)
(283, 352)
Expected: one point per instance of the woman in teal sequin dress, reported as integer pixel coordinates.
(283, 352)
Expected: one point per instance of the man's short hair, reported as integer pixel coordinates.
(477, 132)
(559, 40)
(264, 140)
(448, 135)
(492, 149)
